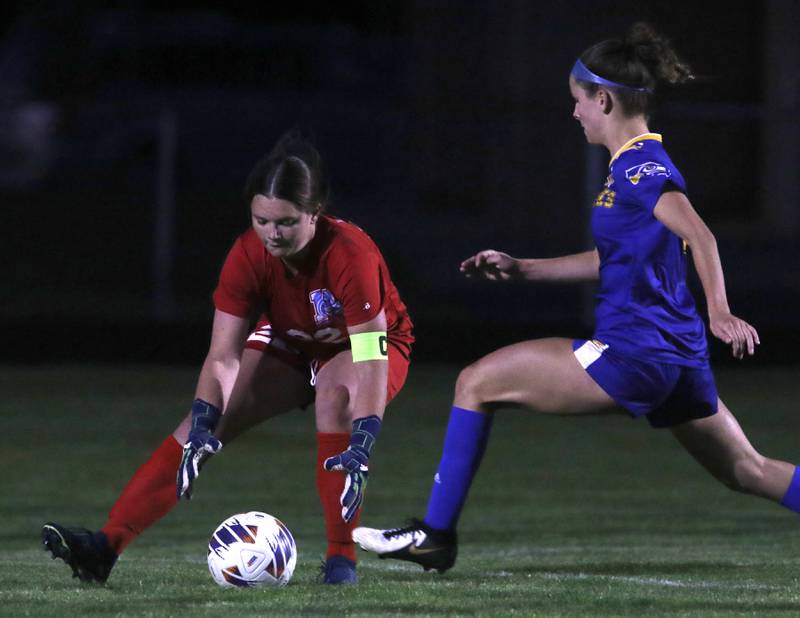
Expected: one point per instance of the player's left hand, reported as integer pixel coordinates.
(737, 333)
(354, 465)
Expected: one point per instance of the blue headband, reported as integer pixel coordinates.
(580, 72)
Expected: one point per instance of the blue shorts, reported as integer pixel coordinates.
(666, 394)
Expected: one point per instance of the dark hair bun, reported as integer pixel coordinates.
(656, 54)
(294, 143)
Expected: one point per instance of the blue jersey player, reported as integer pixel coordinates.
(648, 356)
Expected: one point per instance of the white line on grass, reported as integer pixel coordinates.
(525, 550)
(631, 579)
(658, 581)
(522, 551)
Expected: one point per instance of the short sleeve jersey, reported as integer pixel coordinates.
(644, 306)
(343, 281)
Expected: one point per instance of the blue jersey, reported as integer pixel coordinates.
(644, 307)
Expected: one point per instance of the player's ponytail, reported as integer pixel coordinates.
(293, 171)
(635, 65)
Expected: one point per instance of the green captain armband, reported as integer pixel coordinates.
(369, 346)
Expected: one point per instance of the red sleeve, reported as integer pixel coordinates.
(237, 290)
(358, 280)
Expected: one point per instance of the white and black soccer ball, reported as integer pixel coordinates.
(252, 549)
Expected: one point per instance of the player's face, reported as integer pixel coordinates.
(588, 111)
(284, 229)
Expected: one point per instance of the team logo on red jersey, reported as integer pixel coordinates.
(326, 307)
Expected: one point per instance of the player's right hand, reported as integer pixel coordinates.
(195, 453)
(491, 264)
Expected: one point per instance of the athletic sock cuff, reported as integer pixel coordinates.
(791, 500)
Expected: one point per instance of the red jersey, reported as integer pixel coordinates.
(344, 281)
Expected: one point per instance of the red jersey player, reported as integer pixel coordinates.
(331, 330)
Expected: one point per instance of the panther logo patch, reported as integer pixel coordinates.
(326, 306)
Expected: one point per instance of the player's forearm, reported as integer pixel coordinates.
(575, 267)
(214, 386)
(369, 397)
(708, 265)
(216, 379)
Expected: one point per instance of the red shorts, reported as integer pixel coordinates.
(261, 339)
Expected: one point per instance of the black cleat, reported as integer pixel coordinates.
(430, 548)
(86, 552)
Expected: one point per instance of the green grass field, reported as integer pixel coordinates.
(597, 516)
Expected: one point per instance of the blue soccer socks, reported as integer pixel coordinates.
(464, 445)
(791, 500)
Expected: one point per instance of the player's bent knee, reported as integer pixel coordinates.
(335, 395)
(332, 404)
(470, 383)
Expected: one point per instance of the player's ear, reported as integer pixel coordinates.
(605, 101)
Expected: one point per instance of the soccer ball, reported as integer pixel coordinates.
(252, 549)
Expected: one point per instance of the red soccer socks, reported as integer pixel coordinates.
(330, 486)
(148, 496)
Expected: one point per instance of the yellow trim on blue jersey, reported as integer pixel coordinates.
(629, 144)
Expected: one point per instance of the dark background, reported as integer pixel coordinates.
(127, 131)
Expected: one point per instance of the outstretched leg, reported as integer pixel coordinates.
(720, 445)
(264, 385)
(542, 375)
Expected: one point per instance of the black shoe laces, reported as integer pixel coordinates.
(414, 525)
